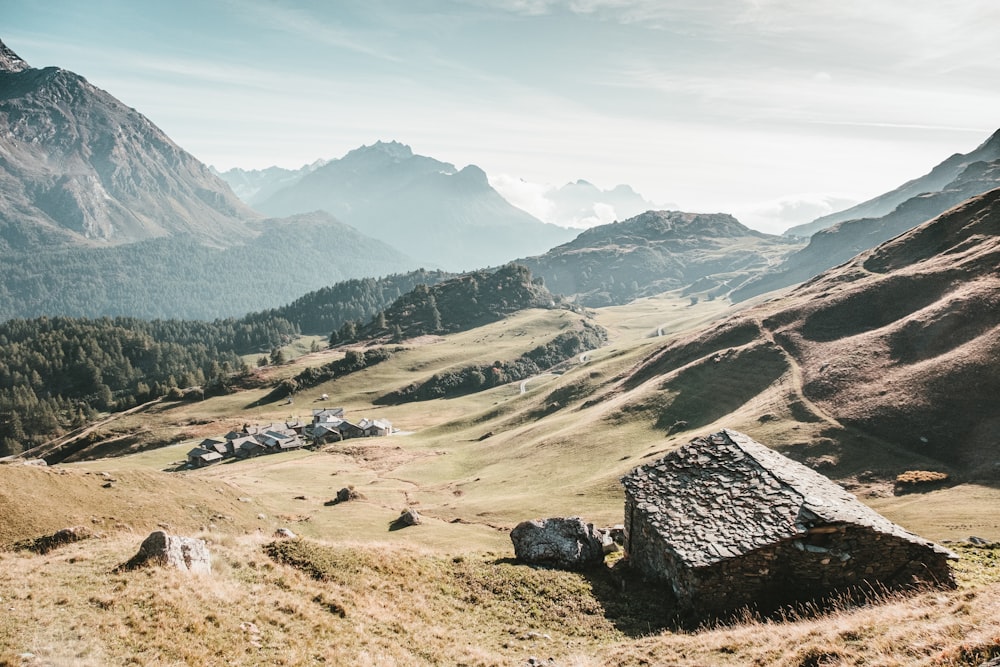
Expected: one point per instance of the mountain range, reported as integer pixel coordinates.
(879, 367)
(102, 214)
(448, 217)
(256, 185)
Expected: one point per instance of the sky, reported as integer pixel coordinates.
(776, 111)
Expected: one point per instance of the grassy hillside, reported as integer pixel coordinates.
(446, 591)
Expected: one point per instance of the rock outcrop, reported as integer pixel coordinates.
(184, 553)
(46, 543)
(564, 543)
(408, 517)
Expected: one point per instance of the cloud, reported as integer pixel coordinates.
(776, 215)
(320, 27)
(578, 205)
(603, 214)
(530, 197)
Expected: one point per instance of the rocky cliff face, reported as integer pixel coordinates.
(78, 167)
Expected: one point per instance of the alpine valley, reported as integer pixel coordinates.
(352, 384)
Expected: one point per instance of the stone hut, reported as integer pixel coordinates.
(727, 522)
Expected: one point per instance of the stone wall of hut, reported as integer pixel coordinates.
(831, 558)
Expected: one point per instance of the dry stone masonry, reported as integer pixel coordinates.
(728, 523)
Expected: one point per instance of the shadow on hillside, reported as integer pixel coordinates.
(721, 384)
(636, 607)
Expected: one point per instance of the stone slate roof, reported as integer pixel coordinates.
(726, 495)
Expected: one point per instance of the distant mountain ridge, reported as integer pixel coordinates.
(655, 252)
(442, 215)
(256, 185)
(936, 180)
(957, 179)
(81, 168)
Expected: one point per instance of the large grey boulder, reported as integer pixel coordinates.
(564, 543)
(184, 553)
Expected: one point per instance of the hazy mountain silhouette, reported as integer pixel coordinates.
(583, 204)
(452, 218)
(968, 175)
(102, 214)
(937, 179)
(256, 185)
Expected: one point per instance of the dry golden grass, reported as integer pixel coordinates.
(38, 501)
(304, 602)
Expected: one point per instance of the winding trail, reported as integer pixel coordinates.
(797, 379)
(524, 383)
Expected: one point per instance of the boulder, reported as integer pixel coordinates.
(184, 553)
(348, 493)
(285, 534)
(608, 544)
(564, 543)
(407, 517)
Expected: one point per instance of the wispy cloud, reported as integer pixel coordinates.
(318, 27)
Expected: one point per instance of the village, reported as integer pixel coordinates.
(328, 425)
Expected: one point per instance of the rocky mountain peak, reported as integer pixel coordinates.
(391, 149)
(10, 61)
(656, 224)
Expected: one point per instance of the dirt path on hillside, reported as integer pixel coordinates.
(797, 382)
(56, 444)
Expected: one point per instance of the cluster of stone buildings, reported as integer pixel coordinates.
(328, 425)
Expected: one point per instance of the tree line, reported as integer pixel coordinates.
(58, 373)
(459, 303)
(177, 277)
